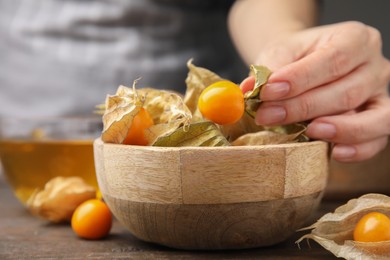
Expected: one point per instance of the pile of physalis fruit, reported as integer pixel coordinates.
(221, 117)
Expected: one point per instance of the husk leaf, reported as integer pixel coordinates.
(59, 198)
(334, 231)
(272, 136)
(252, 98)
(197, 80)
(197, 134)
(164, 107)
(244, 126)
(120, 110)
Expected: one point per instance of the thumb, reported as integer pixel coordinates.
(247, 84)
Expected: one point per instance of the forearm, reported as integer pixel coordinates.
(255, 23)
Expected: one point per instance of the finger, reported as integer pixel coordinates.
(247, 84)
(339, 96)
(328, 61)
(372, 123)
(358, 152)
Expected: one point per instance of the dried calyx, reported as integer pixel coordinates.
(59, 198)
(334, 231)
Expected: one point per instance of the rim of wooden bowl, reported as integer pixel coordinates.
(194, 175)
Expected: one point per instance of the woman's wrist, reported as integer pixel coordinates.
(254, 24)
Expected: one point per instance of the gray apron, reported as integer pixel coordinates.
(62, 57)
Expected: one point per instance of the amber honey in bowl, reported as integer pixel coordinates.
(46, 148)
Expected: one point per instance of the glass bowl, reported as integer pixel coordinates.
(35, 150)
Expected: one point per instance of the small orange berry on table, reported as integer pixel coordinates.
(92, 219)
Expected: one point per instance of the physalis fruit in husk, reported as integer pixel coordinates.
(335, 231)
(136, 133)
(59, 198)
(125, 117)
(142, 109)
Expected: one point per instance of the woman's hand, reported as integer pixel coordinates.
(335, 76)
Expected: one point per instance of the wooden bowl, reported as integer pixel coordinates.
(212, 198)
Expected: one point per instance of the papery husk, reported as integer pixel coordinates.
(252, 98)
(197, 134)
(164, 107)
(168, 112)
(245, 125)
(288, 135)
(294, 131)
(120, 110)
(334, 231)
(197, 80)
(59, 198)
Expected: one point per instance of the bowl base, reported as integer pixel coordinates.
(215, 226)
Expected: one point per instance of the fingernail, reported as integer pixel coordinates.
(275, 90)
(270, 115)
(343, 151)
(247, 84)
(321, 130)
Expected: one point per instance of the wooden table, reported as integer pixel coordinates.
(23, 236)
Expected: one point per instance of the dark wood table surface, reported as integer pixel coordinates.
(23, 236)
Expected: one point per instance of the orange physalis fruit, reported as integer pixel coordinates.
(222, 102)
(372, 227)
(92, 219)
(136, 133)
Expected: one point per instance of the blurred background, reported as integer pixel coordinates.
(374, 13)
(63, 57)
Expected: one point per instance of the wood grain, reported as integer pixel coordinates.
(232, 175)
(306, 170)
(212, 197)
(199, 175)
(215, 226)
(143, 175)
